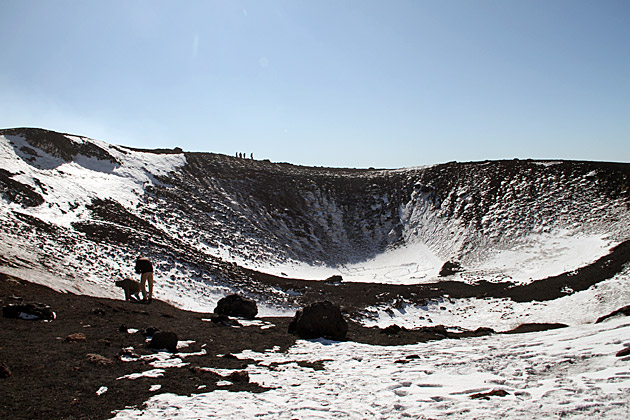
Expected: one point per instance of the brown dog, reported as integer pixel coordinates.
(131, 288)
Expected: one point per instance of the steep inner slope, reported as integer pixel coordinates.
(84, 209)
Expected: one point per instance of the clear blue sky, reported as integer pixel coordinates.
(349, 83)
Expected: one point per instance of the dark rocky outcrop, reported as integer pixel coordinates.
(239, 376)
(29, 311)
(236, 305)
(164, 340)
(487, 395)
(336, 279)
(625, 311)
(449, 268)
(392, 329)
(534, 327)
(623, 352)
(320, 319)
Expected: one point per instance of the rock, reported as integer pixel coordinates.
(76, 338)
(334, 280)
(625, 311)
(127, 353)
(97, 359)
(28, 311)
(623, 352)
(487, 395)
(449, 268)
(5, 372)
(320, 319)
(239, 376)
(235, 305)
(164, 340)
(98, 311)
(150, 332)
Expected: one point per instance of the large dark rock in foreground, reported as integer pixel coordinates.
(235, 305)
(320, 319)
(164, 340)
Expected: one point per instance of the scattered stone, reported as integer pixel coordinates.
(5, 372)
(239, 376)
(449, 268)
(76, 337)
(624, 352)
(150, 332)
(127, 352)
(236, 305)
(164, 340)
(335, 280)
(98, 311)
(320, 319)
(99, 360)
(28, 311)
(487, 395)
(625, 311)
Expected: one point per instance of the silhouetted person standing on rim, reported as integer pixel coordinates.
(144, 267)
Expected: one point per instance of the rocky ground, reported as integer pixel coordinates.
(53, 369)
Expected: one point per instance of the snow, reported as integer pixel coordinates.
(84, 178)
(571, 372)
(411, 264)
(540, 256)
(536, 257)
(504, 314)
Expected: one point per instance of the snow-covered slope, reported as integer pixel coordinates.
(83, 209)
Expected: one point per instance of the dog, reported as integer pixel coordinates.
(131, 287)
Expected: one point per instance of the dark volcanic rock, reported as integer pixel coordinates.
(392, 329)
(534, 327)
(449, 268)
(336, 279)
(623, 352)
(29, 311)
(164, 340)
(487, 395)
(320, 319)
(235, 305)
(625, 311)
(239, 376)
